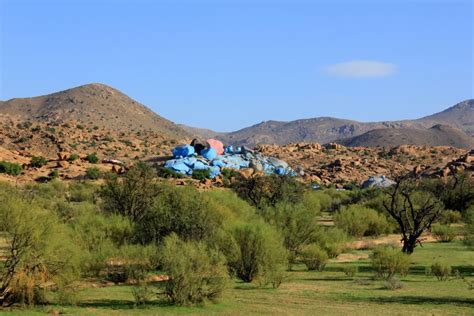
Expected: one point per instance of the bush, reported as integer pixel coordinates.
(92, 158)
(41, 251)
(360, 221)
(180, 210)
(260, 254)
(10, 168)
(388, 261)
(450, 217)
(350, 271)
(73, 157)
(333, 241)
(38, 161)
(201, 174)
(131, 196)
(314, 257)
(297, 224)
(168, 173)
(469, 228)
(393, 283)
(268, 191)
(443, 233)
(440, 271)
(196, 273)
(53, 174)
(93, 173)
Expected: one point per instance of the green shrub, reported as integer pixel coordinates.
(297, 224)
(92, 158)
(168, 173)
(350, 271)
(180, 210)
(268, 191)
(449, 217)
(73, 157)
(81, 192)
(131, 196)
(359, 221)
(53, 174)
(142, 294)
(440, 271)
(10, 168)
(196, 273)
(38, 161)
(41, 251)
(443, 233)
(314, 257)
(388, 261)
(260, 254)
(93, 173)
(333, 240)
(201, 174)
(469, 228)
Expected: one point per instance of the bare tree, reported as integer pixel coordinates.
(413, 209)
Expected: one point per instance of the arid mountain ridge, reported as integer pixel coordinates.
(328, 129)
(101, 106)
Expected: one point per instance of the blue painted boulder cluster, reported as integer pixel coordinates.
(186, 160)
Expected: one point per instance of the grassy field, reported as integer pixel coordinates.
(329, 292)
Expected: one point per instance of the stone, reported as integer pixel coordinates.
(62, 164)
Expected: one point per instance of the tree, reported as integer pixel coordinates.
(131, 196)
(414, 210)
(456, 192)
(268, 191)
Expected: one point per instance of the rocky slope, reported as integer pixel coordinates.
(460, 115)
(92, 105)
(339, 165)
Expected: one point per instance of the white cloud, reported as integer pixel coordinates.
(361, 69)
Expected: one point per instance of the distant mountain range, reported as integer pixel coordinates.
(103, 106)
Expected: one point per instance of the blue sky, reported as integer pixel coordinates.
(225, 65)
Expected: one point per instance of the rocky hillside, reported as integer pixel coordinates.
(327, 129)
(438, 135)
(460, 115)
(339, 165)
(93, 105)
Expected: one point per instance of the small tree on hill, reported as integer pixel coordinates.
(413, 209)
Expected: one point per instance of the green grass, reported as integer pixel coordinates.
(309, 293)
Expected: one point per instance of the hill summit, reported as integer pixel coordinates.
(95, 105)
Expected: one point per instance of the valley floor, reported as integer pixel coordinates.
(329, 292)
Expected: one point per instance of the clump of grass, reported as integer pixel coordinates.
(10, 168)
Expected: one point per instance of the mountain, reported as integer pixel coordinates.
(201, 132)
(327, 129)
(438, 135)
(320, 130)
(94, 105)
(460, 115)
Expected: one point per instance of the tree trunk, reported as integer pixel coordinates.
(409, 244)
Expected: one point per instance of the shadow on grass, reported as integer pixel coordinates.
(342, 278)
(417, 300)
(465, 270)
(121, 304)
